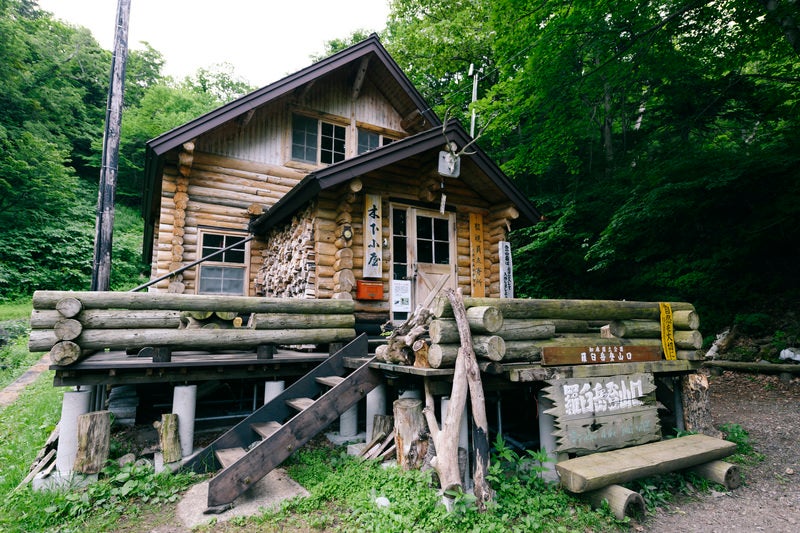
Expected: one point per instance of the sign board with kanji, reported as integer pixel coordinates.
(593, 355)
(373, 229)
(476, 256)
(603, 413)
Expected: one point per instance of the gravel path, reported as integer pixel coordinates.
(769, 500)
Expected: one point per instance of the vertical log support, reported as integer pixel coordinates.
(411, 434)
(181, 200)
(344, 280)
(498, 226)
(696, 405)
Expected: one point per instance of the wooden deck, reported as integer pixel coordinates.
(118, 368)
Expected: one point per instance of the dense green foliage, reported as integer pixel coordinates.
(53, 92)
(660, 139)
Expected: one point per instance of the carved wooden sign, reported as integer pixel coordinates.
(372, 236)
(603, 413)
(477, 274)
(592, 355)
(506, 270)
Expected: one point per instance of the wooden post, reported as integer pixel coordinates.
(101, 265)
(94, 437)
(696, 405)
(168, 436)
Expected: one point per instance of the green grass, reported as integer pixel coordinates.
(20, 309)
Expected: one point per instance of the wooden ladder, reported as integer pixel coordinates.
(254, 447)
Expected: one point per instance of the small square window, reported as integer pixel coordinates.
(225, 272)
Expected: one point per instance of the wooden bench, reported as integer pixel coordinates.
(599, 470)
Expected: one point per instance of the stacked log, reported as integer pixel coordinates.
(527, 326)
(344, 280)
(144, 321)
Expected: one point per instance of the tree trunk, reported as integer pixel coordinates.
(168, 436)
(696, 405)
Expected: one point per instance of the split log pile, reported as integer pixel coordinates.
(288, 270)
(72, 324)
(517, 329)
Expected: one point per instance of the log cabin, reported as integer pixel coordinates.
(340, 184)
(349, 185)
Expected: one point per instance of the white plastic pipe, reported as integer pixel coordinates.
(272, 389)
(348, 422)
(376, 405)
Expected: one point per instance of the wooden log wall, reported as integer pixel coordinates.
(202, 190)
(71, 324)
(288, 267)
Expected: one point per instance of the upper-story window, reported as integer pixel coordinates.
(315, 141)
(369, 140)
(226, 272)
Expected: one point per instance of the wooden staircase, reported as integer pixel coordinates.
(261, 442)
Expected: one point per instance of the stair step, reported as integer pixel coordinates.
(300, 404)
(329, 381)
(228, 456)
(265, 429)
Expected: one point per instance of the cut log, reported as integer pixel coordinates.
(67, 329)
(207, 338)
(226, 315)
(421, 349)
(652, 328)
(697, 405)
(562, 309)
(622, 502)
(94, 438)
(192, 302)
(299, 321)
(411, 433)
(169, 438)
(69, 306)
(199, 315)
(598, 470)
(521, 329)
(724, 473)
(489, 347)
(65, 353)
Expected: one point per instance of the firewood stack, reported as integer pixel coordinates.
(288, 269)
(517, 329)
(72, 324)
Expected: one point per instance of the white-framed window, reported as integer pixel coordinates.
(316, 141)
(369, 140)
(226, 272)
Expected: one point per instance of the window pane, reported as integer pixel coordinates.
(440, 226)
(399, 221)
(304, 139)
(399, 249)
(442, 252)
(424, 251)
(367, 141)
(332, 143)
(400, 271)
(221, 280)
(424, 230)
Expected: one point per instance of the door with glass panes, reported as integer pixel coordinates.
(423, 252)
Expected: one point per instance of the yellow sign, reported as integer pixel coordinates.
(476, 273)
(667, 331)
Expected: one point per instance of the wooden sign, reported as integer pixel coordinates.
(506, 270)
(593, 355)
(476, 273)
(373, 230)
(604, 413)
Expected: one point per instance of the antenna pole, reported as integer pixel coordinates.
(474, 74)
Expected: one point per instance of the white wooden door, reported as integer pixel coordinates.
(429, 261)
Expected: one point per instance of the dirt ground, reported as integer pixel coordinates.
(769, 500)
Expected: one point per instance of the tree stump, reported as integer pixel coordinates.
(168, 436)
(411, 433)
(696, 406)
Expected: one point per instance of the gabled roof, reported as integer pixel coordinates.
(489, 180)
(397, 88)
(221, 115)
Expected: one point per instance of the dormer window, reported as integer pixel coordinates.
(315, 141)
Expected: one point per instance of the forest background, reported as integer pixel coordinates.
(660, 140)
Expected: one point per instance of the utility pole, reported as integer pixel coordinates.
(104, 226)
(474, 74)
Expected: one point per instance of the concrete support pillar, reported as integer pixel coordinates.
(73, 405)
(348, 422)
(376, 405)
(415, 394)
(547, 439)
(184, 403)
(272, 389)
